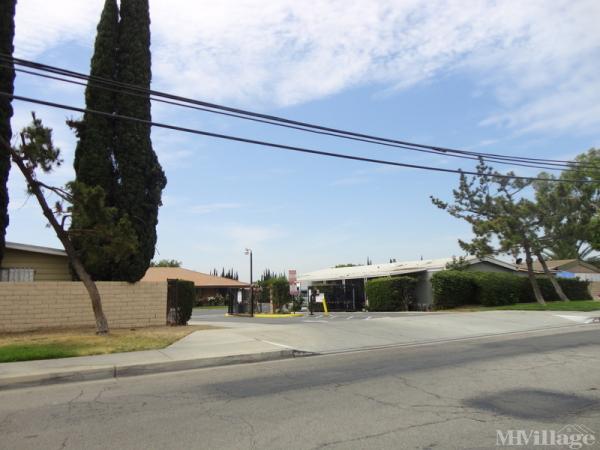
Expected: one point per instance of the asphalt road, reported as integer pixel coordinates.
(442, 396)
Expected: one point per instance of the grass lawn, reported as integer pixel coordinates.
(575, 305)
(200, 308)
(65, 343)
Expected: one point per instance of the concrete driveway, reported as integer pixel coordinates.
(340, 332)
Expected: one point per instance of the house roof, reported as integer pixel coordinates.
(36, 249)
(564, 265)
(200, 279)
(389, 269)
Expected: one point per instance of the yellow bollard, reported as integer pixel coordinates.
(325, 310)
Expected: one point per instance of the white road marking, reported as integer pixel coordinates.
(348, 318)
(368, 318)
(579, 319)
(315, 321)
(275, 343)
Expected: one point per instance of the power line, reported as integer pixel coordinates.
(333, 132)
(280, 121)
(544, 166)
(272, 144)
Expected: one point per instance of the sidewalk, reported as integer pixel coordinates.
(207, 348)
(250, 341)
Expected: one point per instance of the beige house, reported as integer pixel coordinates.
(24, 262)
(206, 285)
(574, 266)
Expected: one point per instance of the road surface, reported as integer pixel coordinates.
(439, 396)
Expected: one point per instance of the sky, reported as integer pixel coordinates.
(509, 77)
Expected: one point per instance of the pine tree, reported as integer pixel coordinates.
(94, 165)
(140, 176)
(7, 78)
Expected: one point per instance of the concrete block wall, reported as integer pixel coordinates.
(52, 304)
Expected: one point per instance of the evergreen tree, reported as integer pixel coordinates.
(94, 152)
(7, 78)
(94, 165)
(503, 220)
(140, 176)
(166, 263)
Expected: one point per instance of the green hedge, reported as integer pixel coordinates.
(391, 294)
(574, 289)
(497, 288)
(185, 297)
(452, 288)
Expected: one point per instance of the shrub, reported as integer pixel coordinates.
(391, 294)
(297, 302)
(280, 292)
(182, 294)
(496, 288)
(452, 288)
(574, 289)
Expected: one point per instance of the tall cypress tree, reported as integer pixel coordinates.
(94, 166)
(7, 79)
(93, 155)
(140, 176)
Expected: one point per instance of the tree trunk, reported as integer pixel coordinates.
(534, 284)
(552, 278)
(90, 285)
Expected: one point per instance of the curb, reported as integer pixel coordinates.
(131, 370)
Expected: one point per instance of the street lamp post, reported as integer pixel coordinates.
(248, 251)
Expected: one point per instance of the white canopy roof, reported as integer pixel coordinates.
(388, 269)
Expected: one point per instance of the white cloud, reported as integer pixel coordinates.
(42, 24)
(539, 58)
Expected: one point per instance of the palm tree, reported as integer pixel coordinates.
(566, 249)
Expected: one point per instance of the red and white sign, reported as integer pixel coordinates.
(293, 278)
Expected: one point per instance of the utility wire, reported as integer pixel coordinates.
(544, 166)
(333, 132)
(273, 144)
(279, 121)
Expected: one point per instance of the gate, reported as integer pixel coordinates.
(172, 304)
(238, 301)
(341, 297)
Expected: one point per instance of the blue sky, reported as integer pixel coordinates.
(511, 77)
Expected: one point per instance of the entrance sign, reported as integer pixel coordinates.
(293, 278)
